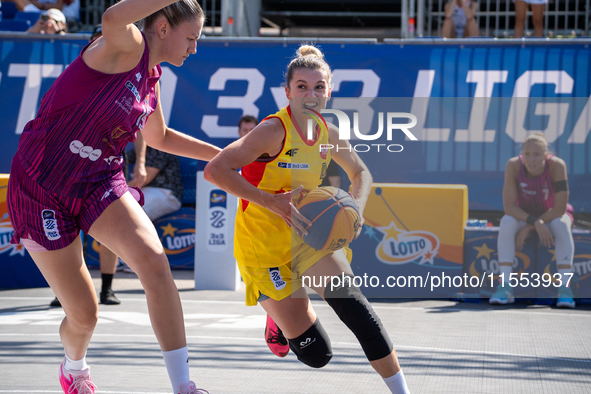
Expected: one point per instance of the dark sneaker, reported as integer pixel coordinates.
(109, 298)
(55, 303)
(275, 338)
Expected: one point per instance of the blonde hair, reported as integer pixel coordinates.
(537, 137)
(175, 14)
(308, 56)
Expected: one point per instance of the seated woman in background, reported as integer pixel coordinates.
(535, 197)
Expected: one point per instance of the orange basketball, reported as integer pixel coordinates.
(334, 215)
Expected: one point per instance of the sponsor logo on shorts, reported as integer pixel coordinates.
(307, 342)
(134, 90)
(294, 166)
(107, 194)
(89, 152)
(276, 278)
(50, 225)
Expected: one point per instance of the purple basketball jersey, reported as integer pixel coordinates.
(83, 124)
(535, 195)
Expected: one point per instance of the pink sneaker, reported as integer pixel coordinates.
(76, 382)
(190, 388)
(275, 338)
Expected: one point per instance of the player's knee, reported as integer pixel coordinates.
(313, 346)
(508, 222)
(356, 312)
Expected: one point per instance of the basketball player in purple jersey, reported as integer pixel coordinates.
(535, 197)
(67, 176)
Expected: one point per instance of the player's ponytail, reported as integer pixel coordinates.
(308, 56)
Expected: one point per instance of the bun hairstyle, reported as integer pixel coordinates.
(308, 56)
(537, 137)
(175, 13)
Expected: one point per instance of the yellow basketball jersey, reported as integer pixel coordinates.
(262, 238)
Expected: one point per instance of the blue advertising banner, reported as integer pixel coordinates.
(501, 93)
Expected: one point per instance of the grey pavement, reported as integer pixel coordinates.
(443, 346)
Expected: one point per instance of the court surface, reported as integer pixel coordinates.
(443, 346)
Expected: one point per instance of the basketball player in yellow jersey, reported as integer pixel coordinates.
(275, 155)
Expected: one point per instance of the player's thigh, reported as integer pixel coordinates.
(293, 314)
(332, 265)
(125, 229)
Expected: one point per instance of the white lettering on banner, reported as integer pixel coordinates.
(33, 74)
(485, 81)
(256, 83)
(280, 97)
(371, 86)
(168, 82)
(582, 127)
(557, 112)
(420, 105)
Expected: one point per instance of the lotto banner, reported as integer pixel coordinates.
(481, 261)
(412, 241)
(17, 269)
(177, 234)
(581, 279)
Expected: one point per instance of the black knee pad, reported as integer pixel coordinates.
(312, 347)
(355, 311)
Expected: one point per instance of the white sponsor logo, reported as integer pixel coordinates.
(126, 104)
(276, 278)
(107, 193)
(79, 148)
(114, 159)
(307, 342)
(50, 224)
(138, 76)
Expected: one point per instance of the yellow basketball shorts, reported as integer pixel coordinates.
(282, 281)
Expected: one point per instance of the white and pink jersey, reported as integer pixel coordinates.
(83, 124)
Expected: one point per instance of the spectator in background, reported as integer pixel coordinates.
(245, 124)
(460, 19)
(537, 9)
(535, 199)
(51, 21)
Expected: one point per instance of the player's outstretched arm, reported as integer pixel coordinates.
(161, 137)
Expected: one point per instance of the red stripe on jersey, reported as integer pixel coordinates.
(255, 171)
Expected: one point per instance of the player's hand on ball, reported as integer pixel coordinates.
(281, 205)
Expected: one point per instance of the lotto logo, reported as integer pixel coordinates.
(79, 148)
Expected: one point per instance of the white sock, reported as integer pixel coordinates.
(565, 278)
(397, 383)
(506, 271)
(177, 365)
(75, 365)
